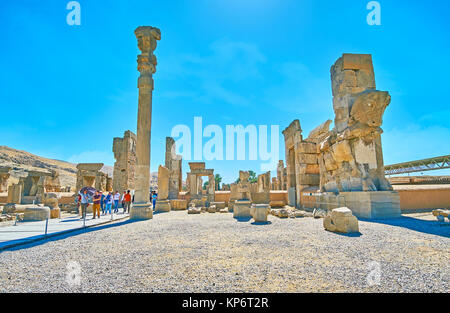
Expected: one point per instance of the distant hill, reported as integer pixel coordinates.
(21, 161)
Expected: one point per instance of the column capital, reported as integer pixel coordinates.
(147, 37)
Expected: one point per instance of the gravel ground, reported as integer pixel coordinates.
(177, 252)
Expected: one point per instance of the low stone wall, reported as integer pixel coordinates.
(423, 197)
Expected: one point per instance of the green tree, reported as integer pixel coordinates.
(218, 180)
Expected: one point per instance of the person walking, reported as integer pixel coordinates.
(102, 202)
(84, 202)
(154, 197)
(108, 202)
(122, 199)
(127, 202)
(116, 201)
(96, 204)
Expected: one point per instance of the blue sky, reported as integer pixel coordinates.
(66, 91)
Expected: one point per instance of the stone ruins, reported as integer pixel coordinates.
(147, 37)
(345, 164)
(194, 182)
(242, 205)
(173, 163)
(90, 175)
(125, 154)
(4, 177)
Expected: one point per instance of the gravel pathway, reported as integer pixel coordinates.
(177, 252)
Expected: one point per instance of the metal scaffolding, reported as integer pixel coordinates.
(437, 163)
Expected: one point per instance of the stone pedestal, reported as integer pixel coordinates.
(259, 212)
(162, 206)
(36, 214)
(141, 212)
(178, 204)
(373, 204)
(241, 208)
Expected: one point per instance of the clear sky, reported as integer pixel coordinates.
(66, 91)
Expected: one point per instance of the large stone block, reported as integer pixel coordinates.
(241, 208)
(141, 212)
(357, 62)
(162, 206)
(306, 158)
(341, 222)
(373, 204)
(261, 197)
(36, 213)
(306, 147)
(309, 179)
(219, 205)
(163, 182)
(259, 212)
(277, 203)
(178, 204)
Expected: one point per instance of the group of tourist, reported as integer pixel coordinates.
(106, 202)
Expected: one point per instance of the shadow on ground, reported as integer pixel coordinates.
(428, 227)
(242, 219)
(40, 239)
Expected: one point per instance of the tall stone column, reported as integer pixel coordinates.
(147, 37)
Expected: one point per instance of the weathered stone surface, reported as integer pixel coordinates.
(219, 205)
(173, 162)
(36, 213)
(194, 181)
(341, 220)
(241, 208)
(163, 182)
(163, 206)
(147, 37)
(178, 204)
(4, 176)
(277, 203)
(15, 194)
(259, 212)
(124, 150)
(194, 210)
(89, 175)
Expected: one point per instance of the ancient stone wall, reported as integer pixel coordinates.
(124, 168)
(4, 177)
(173, 162)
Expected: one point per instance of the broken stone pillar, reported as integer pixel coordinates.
(124, 168)
(4, 176)
(281, 175)
(147, 37)
(262, 195)
(15, 194)
(163, 203)
(174, 164)
(241, 207)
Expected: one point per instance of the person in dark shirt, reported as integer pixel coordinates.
(96, 204)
